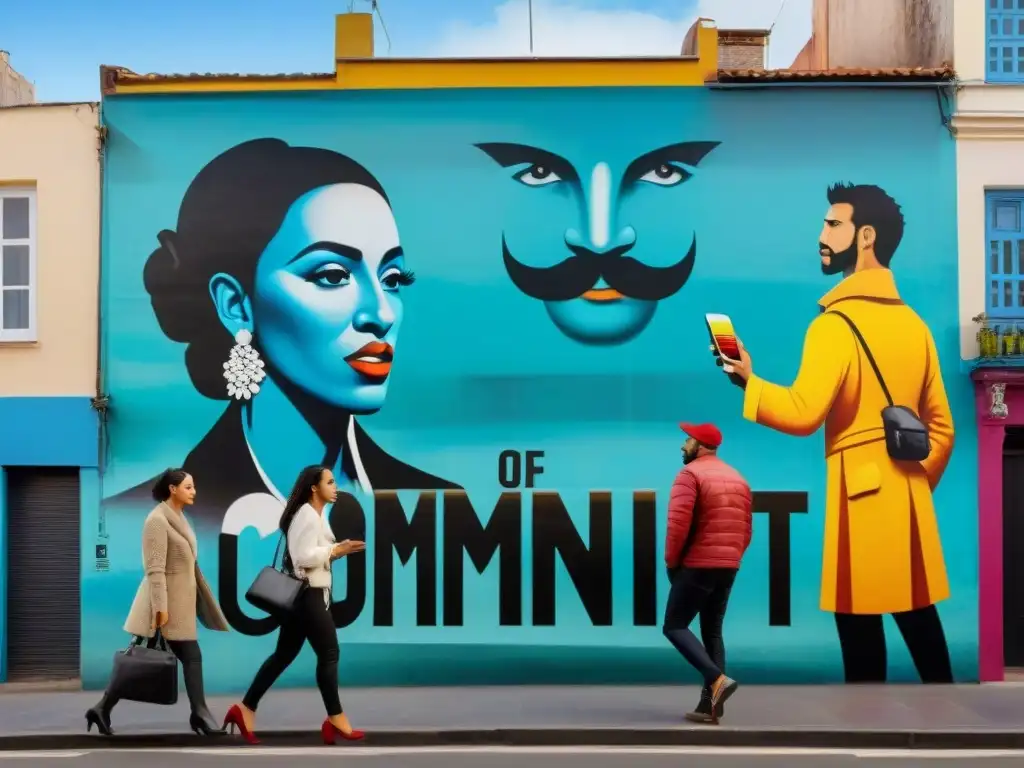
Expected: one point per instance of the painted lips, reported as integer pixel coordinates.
(601, 295)
(372, 360)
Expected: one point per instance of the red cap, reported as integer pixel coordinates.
(708, 434)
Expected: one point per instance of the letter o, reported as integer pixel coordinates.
(510, 469)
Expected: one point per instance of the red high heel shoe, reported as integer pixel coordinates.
(233, 719)
(331, 732)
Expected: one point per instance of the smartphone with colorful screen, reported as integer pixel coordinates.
(723, 335)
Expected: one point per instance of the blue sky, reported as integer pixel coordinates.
(60, 44)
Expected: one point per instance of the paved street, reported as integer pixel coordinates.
(491, 757)
(892, 707)
(890, 717)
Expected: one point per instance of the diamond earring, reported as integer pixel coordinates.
(244, 369)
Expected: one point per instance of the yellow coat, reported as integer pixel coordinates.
(882, 548)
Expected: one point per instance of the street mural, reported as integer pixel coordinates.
(488, 317)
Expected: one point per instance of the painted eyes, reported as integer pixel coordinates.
(537, 176)
(395, 278)
(331, 276)
(666, 175)
(336, 276)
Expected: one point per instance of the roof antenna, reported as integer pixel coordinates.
(529, 9)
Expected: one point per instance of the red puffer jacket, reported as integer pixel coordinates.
(714, 499)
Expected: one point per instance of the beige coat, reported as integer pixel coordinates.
(172, 582)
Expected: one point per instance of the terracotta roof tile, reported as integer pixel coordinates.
(111, 76)
(881, 74)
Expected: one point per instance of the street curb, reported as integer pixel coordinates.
(706, 736)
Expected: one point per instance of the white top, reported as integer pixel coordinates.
(310, 541)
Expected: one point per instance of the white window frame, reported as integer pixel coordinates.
(22, 334)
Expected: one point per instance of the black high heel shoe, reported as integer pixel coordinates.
(101, 719)
(205, 725)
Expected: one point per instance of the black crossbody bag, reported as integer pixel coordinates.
(906, 436)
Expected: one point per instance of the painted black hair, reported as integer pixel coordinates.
(301, 493)
(162, 487)
(230, 212)
(872, 207)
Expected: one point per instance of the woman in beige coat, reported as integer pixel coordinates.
(172, 597)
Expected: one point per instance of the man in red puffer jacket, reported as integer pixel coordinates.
(709, 529)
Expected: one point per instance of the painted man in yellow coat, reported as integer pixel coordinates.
(882, 552)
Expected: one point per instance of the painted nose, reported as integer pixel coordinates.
(623, 241)
(374, 315)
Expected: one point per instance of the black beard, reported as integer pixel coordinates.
(580, 272)
(688, 457)
(838, 262)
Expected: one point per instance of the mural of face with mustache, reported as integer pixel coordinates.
(602, 293)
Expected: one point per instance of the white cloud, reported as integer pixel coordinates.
(570, 28)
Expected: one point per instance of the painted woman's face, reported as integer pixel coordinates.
(326, 304)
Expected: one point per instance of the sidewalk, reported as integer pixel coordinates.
(934, 717)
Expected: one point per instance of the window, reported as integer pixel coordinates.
(1004, 41)
(17, 264)
(1004, 255)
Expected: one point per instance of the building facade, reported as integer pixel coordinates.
(989, 125)
(15, 88)
(395, 241)
(49, 330)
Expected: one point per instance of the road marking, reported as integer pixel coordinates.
(36, 755)
(353, 751)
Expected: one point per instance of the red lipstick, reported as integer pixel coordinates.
(372, 360)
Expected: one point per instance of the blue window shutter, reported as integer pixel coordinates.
(1004, 41)
(1004, 253)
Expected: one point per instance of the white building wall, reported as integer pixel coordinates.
(989, 124)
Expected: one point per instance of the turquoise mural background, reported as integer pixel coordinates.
(480, 367)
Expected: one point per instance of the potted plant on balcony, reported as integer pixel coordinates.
(988, 337)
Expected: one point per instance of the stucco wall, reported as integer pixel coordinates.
(54, 149)
(555, 412)
(989, 123)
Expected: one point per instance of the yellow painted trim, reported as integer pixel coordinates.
(20, 183)
(530, 73)
(358, 72)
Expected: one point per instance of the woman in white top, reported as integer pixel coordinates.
(309, 555)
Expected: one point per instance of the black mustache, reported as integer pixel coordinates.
(579, 273)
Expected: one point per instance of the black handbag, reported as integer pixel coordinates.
(906, 436)
(276, 591)
(146, 673)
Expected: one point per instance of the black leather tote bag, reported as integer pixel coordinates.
(146, 673)
(276, 591)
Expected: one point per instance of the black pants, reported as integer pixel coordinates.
(862, 639)
(704, 592)
(311, 621)
(191, 658)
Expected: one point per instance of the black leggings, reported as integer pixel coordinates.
(311, 621)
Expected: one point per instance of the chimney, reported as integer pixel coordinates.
(742, 48)
(353, 36)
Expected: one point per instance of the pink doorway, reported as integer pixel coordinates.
(999, 407)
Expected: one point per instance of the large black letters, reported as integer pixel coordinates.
(503, 534)
(395, 532)
(554, 535)
(589, 568)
